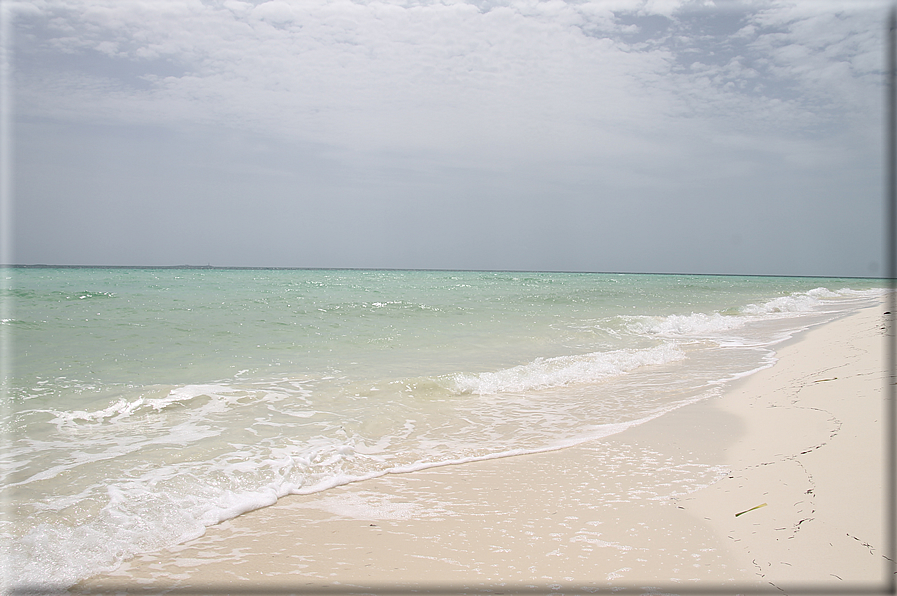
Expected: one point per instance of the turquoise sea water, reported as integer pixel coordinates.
(144, 405)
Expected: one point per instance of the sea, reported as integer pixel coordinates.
(143, 405)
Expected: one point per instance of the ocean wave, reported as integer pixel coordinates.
(544, 373)
(685, 326)
(206, 396)
(125, 408)
(803, 302)
(718, 325)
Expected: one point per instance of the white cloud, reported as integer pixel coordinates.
(523, 80)
(276, 12)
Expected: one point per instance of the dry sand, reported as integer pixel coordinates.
(649, 510)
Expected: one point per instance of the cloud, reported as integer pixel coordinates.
(553, 80)
(275, 12)
(607, 98)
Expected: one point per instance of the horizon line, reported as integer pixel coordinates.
(431, 269)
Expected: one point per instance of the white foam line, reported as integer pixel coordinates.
(606, 431)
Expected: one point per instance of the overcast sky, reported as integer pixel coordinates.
(603, 135)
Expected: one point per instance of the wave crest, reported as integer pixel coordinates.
(545, 373)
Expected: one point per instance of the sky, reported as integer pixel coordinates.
(667, 136)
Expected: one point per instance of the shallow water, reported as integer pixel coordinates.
(147, 404)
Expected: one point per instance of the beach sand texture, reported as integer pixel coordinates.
(650, 509)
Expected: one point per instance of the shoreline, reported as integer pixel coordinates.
(650, 508)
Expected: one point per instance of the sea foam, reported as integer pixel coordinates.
(560, 371)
